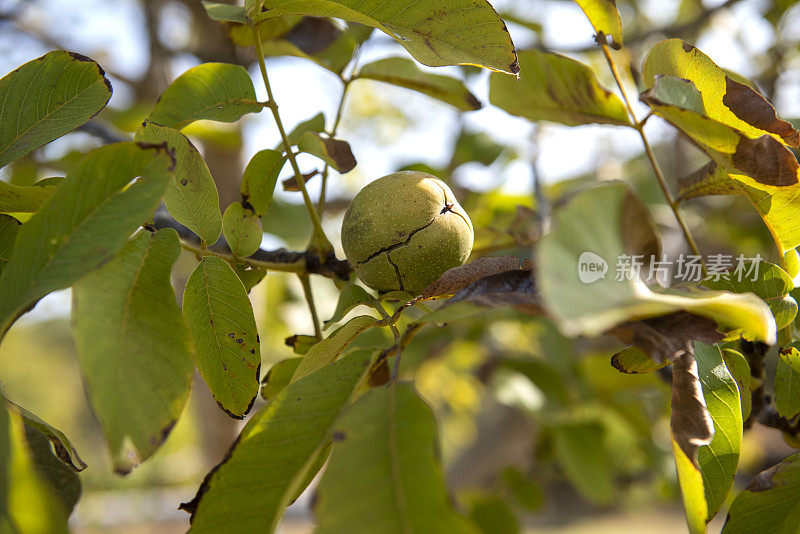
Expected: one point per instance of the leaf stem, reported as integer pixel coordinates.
(319, 242)
(390, 322)
(295, 267)
(639, 127)
(305, 281)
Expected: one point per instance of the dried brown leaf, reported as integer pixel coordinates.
(691, 424)
(668, 337)
(766, 160)
(515, 289)
(752, 108)
(460, 277)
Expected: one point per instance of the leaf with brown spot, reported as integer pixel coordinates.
(334, 152)
(459, 277)
(604, 16)
(556, 88)
(727, 97)
(710, 179)
(771, 503)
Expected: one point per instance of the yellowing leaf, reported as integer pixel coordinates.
(556, 88)
(604, 16)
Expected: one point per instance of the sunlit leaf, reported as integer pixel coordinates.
(385, 451)
(556, 88)
(597, 227)
(787, 383)
(30, 506)
(740, 371)
(88, 218)
(404, 73)
(314, 124)
(221, 322)
(138, 379)
(191, 195)
(726, 98)
(604, 16)
(769, 282)
(334, 152)
(46, 98)
(691, 427)
(330, 348)
(448, 33)
(770, 503)
(63, 448)
(719, 461)
(215, 91)
(242, 229)
(23, 199)
(777, 206)
(249, 490)
(260, 177)
(633, 360)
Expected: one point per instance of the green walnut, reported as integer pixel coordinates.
(404, 230)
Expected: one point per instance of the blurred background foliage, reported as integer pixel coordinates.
(516, 401)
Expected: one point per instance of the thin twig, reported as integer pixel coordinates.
(306, 283)
(319, 241)
(639, 127)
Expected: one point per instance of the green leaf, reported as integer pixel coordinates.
(61, 445)
(242, 229)
(278, 377)
(334, 152)
(138, 379)
(350, 296)
(768, 281)
(604, 16)
(633, 360)
(556, 88)
(456, 32)
(385, 453)
(22, 198)
(719, 460)
(329, 349)
(404, 73)
(250, 276)
(61, 481)
(223, 328)
(740, 371)
(314, 124)
(9, 227)
(249, 490)
(475, 146)
(726, 97)
(260, 177)
(215, 91)
(602, 224)
(691, 483)
(32, 507)
(580, 453)
(47, 97)
(771, 503)
(787, 383)
(777, 206)
(87, 219)
(493, 515)
(191, 195)
(543, 375)
(225, 12)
